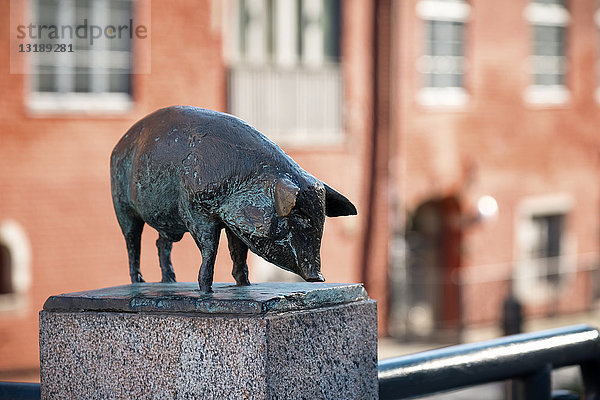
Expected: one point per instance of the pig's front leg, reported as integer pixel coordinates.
(239, 253)
(206, 234)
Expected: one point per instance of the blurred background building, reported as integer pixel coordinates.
(464, 131)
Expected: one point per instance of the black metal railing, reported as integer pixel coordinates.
(19, 391)
(528, 359)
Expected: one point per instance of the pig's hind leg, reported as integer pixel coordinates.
(165, 246)
(239, 253)
(131, 226)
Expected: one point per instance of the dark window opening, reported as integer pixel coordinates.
(5, 270)
(547, 249)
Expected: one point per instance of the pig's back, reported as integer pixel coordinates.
(220, 142)
(186, 149)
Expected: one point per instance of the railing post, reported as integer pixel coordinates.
(590, 372)
(536, 386)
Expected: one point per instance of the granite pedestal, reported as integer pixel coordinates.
(169, 341)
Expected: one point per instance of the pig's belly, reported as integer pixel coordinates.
(157, 205)
(169, 226)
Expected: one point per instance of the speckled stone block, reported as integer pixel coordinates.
(169, 341)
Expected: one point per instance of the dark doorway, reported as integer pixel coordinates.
(433, 240)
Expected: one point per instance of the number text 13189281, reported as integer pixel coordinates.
(45, 48)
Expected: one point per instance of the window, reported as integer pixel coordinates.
(442, 65)
(549, 21)
(96, 74)
(288, 32)
(546, 255)
(285, 77)
(547, 231)
(15, 265)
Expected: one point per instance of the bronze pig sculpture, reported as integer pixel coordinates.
(187, 169)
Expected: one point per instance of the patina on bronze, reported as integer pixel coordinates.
(187, 169)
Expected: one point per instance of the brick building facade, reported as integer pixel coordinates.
(496, 101)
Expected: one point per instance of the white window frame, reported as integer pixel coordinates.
(438, 10)
(67, 101)
(527, 283)
(547, 15)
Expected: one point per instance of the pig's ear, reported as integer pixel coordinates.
(286, 193)
(336, 205)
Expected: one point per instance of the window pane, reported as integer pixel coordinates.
(443, 64)
(6, 268)
(445, 38)
(120, 13)
(315, 24)
(558, 2)
(119, 82)
(46, 14)
(547, 248)
(549, 61)
(446, 80)
(46, 78)
(82, 13)
(332, 30)
(253, 30)
(82, 79)
(545, 79)
(549, 39)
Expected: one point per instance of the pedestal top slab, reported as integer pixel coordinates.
(184, 297)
